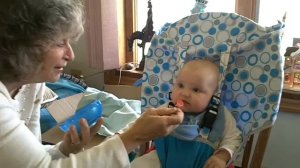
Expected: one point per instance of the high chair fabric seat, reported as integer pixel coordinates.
(251, 67)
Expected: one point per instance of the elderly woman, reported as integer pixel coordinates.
(35, 37)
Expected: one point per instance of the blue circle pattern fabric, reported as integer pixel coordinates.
(251, 66)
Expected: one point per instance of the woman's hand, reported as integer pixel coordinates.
(74, 143)
(152, 124)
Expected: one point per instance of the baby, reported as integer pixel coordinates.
(207, 137)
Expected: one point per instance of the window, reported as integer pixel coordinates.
(127, 23)
(171, 11)
(267, 18)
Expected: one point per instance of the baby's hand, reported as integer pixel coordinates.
(218, 159)
(215, 162)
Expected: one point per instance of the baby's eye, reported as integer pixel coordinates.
(180, 85)
(199, 90)
(196, 90)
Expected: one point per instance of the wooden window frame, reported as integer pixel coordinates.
(130, 26)
(247, 8)
(126, 23)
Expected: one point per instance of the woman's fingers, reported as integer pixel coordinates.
(152, 124)
(75, 139)
(95, 128)
(163, 111)
(158, 122)
(85, 132)
(173, 116)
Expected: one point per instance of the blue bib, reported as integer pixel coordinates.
(176, 153)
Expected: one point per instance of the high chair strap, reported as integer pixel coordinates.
(211, 113)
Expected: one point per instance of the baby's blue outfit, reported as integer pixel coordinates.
(177, 153)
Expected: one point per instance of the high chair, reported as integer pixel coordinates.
(250, 66)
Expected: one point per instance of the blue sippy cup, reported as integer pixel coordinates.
(91, 112)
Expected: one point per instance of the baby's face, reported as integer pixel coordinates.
(195, 88)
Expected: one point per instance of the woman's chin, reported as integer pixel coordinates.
(56, 79)
(53, 79)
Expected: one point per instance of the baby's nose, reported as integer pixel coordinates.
(185, 93)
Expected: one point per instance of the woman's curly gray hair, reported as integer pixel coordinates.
(28, 27)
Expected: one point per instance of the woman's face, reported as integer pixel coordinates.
(55, 60)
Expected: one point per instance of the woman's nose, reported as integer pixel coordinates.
(69, 54)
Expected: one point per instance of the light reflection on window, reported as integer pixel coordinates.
(270, 11)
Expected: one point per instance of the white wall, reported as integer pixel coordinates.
(93, 77)
(283, 149)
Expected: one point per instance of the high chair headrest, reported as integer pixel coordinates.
(248, 56)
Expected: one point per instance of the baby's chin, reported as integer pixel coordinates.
(191, 111)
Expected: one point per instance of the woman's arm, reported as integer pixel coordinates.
(20, 148)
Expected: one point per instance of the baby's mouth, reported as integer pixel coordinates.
(185, 102)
